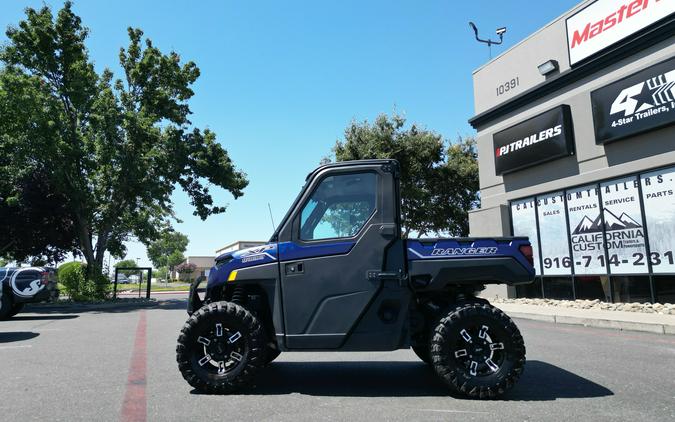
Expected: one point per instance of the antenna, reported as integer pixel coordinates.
(269, 207)
(500, 31)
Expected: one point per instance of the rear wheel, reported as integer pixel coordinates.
(220, 348)
(478, 350)
(422, 352)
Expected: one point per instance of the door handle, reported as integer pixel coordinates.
(293, 268)
(388, 230)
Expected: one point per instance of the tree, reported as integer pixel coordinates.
(439, 179)
(126, 263)
(33, 219)
(114, 148)
(168, 249)
(186, 268)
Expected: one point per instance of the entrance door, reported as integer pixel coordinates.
(340, 231)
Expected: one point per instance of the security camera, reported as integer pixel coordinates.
(501, 31)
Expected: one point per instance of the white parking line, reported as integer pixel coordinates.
(23, 346)
(452, 411)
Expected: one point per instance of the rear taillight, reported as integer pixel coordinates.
(44, 278)
(526, 250)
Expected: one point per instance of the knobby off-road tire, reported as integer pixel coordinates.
(220, 348)
(422, 352)
(477, 350)
(271, 354)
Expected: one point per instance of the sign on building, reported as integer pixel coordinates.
(635, 104)
(606, 22)
(624, 229)
(524, 220)
(586, 230)
(555, 250)
(658, 195)
(544, 137)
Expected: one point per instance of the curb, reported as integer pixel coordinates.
(598, 323)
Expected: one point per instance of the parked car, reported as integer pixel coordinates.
(25, 285)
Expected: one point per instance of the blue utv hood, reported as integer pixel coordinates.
(230, 261)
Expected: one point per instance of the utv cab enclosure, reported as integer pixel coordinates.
(337, 276)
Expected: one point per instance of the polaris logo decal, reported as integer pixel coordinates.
(491, 250)
(529, 140)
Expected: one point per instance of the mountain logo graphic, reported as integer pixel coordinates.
(612, 222)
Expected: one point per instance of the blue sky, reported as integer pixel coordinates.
(282, 79)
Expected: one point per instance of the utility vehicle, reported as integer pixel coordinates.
(337, 276)
(19, 286)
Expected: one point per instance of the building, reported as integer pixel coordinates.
(239, 245)
(576, 145)
(205, 263)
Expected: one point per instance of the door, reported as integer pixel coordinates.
(339, 233)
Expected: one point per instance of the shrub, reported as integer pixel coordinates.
(72, 275)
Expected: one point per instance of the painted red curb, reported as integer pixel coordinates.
(134, 407)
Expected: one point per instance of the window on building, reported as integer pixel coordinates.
(339, 207)
(631, 289)
(592, 287)
(664, 288)
(558, 288)
(532, 290)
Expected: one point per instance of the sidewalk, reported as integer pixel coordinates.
(617, 320)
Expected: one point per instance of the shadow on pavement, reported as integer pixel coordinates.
(540, 382)
(17, 336)
(41, 317)
(543, 381)
(107, 307)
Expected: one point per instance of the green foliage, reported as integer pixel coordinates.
(129, 263)
(72, 275)
(439, 179)
(3, 262)
(168, 249)
(114, 149)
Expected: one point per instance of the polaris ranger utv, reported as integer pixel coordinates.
(337, 276)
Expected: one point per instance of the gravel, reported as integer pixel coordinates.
(648, 308)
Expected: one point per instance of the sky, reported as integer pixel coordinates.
(281, 80)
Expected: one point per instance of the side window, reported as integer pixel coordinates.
(339, 206)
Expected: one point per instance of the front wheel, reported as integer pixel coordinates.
(220, 348)
(477, 350)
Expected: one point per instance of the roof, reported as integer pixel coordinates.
(351, 163)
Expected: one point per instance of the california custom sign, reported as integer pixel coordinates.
(544, 137)
(635, 104)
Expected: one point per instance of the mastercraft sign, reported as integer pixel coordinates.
(606, 22)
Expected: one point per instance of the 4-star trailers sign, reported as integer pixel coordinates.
(605, 22)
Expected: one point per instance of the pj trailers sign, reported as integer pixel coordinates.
(542, 138)
(606, 22)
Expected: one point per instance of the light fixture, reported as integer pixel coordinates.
(548, 67)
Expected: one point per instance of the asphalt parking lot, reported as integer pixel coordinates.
(120, 365)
